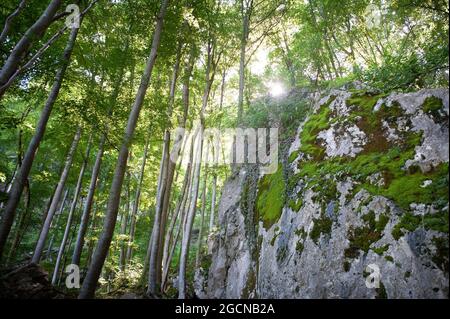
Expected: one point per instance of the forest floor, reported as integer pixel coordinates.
(28, 281)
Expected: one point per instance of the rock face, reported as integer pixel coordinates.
(358, 208)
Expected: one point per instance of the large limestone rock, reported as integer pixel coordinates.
(365, 188)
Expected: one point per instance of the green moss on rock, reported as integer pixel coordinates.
(271, 197)
(317, 122)
(361, 238)
(403, 186)
(322, 225)
(381, 250)
(410, 222)
(432, 105)
(295, 205)
(441, 255)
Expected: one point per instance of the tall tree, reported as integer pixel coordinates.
(164, 189)
(56, 197)
(71, 211)
(90, 282)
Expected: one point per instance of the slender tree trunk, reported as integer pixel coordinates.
(91, 233)
(33, 34)
(55, 225)
(167, 174)
(196, 176)
(202, 223)
(45, 228)
(88, 205)
(72, 211)
(124, 224)
(137, 198)
(190, 218)
(147, 259)
(19, 182)
(168, 252)
(90, 282)
(21, 225)
(62, 246)
(244, 39)
(65, 257)
(153, 269)
(202, 218)
(213, 204)
(222, 89)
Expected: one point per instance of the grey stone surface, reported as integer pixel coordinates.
(289, 264)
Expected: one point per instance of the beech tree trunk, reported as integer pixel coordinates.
(21, 225)
(124, 224)
(62, 181)
(169, 244)
(71, 212)
(88, 205)
(137, 198)
(93, 274)
(153, 269)
(202, 217)
(22, 176)
(55, 224)
(209, 77)
(190, 217)
(245, 12)
(147, 259)
(167, 174)
(91, 233)
(213, 204)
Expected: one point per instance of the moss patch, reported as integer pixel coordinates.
(381, 250)
(432, 105)
(400, 185)
(362, 238)
(316, 123)
(440, 258)
(271, 198)
(293, 156)
(322, 225)
(347, 265)
(295, 205)
(410, 222)
(299, 247)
